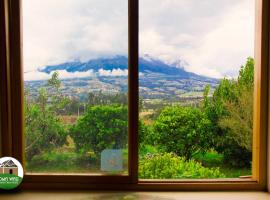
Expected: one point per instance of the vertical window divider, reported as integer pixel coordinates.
(133, 85)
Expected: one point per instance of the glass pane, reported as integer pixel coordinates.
(196, 88)
(75, 83)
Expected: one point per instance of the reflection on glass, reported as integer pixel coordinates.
(75, 83)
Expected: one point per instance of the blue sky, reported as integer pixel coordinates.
(213, 36)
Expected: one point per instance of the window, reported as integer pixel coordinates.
(75, 86)
(196, 100)
(15, 139)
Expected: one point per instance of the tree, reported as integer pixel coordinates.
(56, 100)
(238, 122)
(107, 99)
(102, 127)
(231, 112)
(44, 131)
(146, 135)
(239, 119)
(183, 130)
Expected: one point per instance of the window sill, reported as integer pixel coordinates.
(29, 195)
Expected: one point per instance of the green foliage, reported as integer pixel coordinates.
(100, 128)
(54, 81)
(183, 130)
(57, 160)
(56, 100)
(235, 155)
(106, 99)
(209, 159)
(44, 131)
(231, 112)
(238, 123)
(148, 149)
(54, 159)
(170, 166)
(206, 100)
(43, 128)
(147, 136)
(246, 74)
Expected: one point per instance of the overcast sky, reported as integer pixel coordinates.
(213, 36)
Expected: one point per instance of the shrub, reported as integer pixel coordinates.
(183, 130)
(236, 156)
(101, 127)
(209, 159)
(148, 149)
(53, 159)
(61, 161)
(171, 166)
(44, 130)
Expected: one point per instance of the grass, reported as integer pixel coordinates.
(66, 160)
(235, 172)
(214, 159)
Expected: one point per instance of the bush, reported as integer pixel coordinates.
(101, 127)
(236, 156)
(148, 149)
(170, 166)
(61, 161)
(183, 130)
(44, 131)
(52, 160)
(209, 159)
(146, 135)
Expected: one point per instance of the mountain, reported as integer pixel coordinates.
(147, 65)
(158, 80)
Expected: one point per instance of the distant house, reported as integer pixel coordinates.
(8, 167)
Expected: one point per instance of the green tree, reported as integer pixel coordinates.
(43, 130)
(183, 130)
(100, 128)
(56, 100)
(106, 99)
(239, 118)
(146, 135)
(231, 112)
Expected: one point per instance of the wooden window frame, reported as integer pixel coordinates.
(11, 106)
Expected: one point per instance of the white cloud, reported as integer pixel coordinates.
(63, 74)
(64, 30)
(225, 48)
(113, 72)
(213, 37)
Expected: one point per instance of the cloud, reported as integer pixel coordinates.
(213, 37)
(63, 74)
(114, 72)
(64, 30)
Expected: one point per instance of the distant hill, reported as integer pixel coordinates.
(147, 65)
(158, 80)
